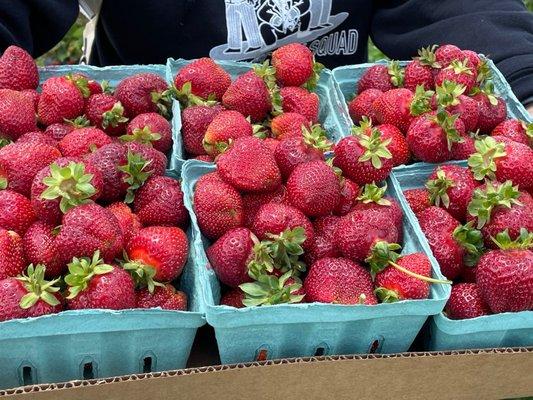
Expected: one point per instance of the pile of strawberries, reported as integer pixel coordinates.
(435, 108)
(87, 217)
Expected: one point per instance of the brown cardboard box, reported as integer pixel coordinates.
(472, 374)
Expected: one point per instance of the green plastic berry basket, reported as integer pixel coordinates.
(307, 329)
(333, 114)
(498, 330)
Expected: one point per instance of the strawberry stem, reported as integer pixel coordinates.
(418, 276)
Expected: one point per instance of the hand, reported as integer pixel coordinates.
(530, 110)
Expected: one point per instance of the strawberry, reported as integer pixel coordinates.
(165, 297)
(373, 198)
(299, 100)
(105, 112)
(205, 158)
(294, 64)
(83, 141)
(271, 143)
(505, 275)
(418, 199)
(431, 136)
(314, 188)
(194, 123)
(463, 150)
(516, 130)
(128, 222)
(143, 93)
(249, 95)
(451, 187)
(12, 260)
(224, 128)
(33, 95)
(398, 145)
(17, 115)
(93, 87)
(466, 302)
(324, 243)
(58, 130)
(40, 248)
(339, 281)
(62, 97)
(151, 129)
(203, 78)
(157, 161)
(450, 96)
(249, 165)
(381, 77)
(473, 59)
(361, 105)
(19, 163)
(253, 201)
(420, 71)
(16, 213)
(157, 253)
(160, 202)
(233, 298)
(492, 111)
(37, 137)
(447, 53)
(459, 72)
(29, 295)
(94, 284)
(218, 206)
(348, 197)
(18, 70)
(289, 125)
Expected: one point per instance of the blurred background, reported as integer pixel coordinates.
(68, 51)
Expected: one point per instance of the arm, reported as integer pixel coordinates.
(500, 29)
(35, 25)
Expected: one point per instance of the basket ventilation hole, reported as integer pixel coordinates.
(27, 375)
(374, 346)
(320, 351)
(261, 355)
(147, 364)
(88, 372)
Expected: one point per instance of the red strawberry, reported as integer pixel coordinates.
(92, 86)
(271, 143)
(249, 165)
(151, 129)
(194, 123)
(466, 302)
(94, 284)
(492, 111)
(40, 248)
(83, 141)
(463, 150)
(233, 298)
(361, 105)
(450, 96)
(128, 222)
(294, 64)
(157, 253)
(339, 281)
(105, 112)
(324, 243)
(398, 145)
(447, 53)
(224, 128)
(58, 130)
(37, 137)
(472, 57)
(217, 206)
(418, 73)
(17, 115)
(289, 125)
(373, 198)
(348, 197)
(18, 71)
(205, 79)
(29, 295)
(381, 77)
(205, 158)
(299, 100)
(62, 98)
(160, 202)
(459, 72)
(157, 161)
(249, 95)
(431, 136)
(19, 163)
(253, 201)
(516, 130)
(12, 260)
(165, 297)
(418, 199)
(143, 93)
(16, 213)
(33, 95)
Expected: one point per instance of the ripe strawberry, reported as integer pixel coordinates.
(16, 213)
(205, 158)
(451, 187)
(94, 284)
(463, 150)
(37, 137)
(294, 64)
(361, 105)
(492, 111)
(204, 78)
(459, 72)
(157, 253)
(373, 198)
(29, 295)
(420, 71)
(194, 123)
(165, 297)
(233, 298)
(116, 167)
(249, 165)
(217, 206)
(339, 281)
(224, 128)
(271, 143)
(17, 115)
(398, 145)
(157, 161)
(249, 95)
(431, 136)
(40, 248)
(18, 71)
(299, 100)
(381, 77)
(516, 130)
(394, 285)
(160, 202)
(12, 260)
(62, 98)
(33, 95)
(324, 243)
(505, 276)
(418, 199)
(150, 129)
(447, 53)
(251, 203)
(466, 302)
(289, 125)
(83, 141)
(348, 197)
(450, 96)
(473, 59)
(143, 93)
(105, 112)
(19, 163)
(314, 188)
(93, 87)
(128, 222)
(58, 130)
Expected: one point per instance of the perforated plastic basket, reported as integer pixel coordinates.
(333, 114)
(309, 329)
(498, 330)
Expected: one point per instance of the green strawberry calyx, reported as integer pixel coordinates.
(485, 200)
(372, 193)
(396, 73)
(82, 270)
(375, 148)
(260, 130)
(363, 128)
(484, 73)
(78, 122)
(185, 96)
(3, 181)
(317, 138)
(483, 162)
(37, 287)
(486, 89)
(136, 173)
(71, 184)
(268, 74)
(270, 290)
(421, 101)
(448, 93)
(523, 241)
(438, 189)
(312, 82)
(163, 101)
(142, 135)
(471, 240)
(426, 56)
(81, 82)
(142, 273)
(4, 142)
(446, 121)
(114, 116)
(528, 128)
(460, 67)
(387, 295)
